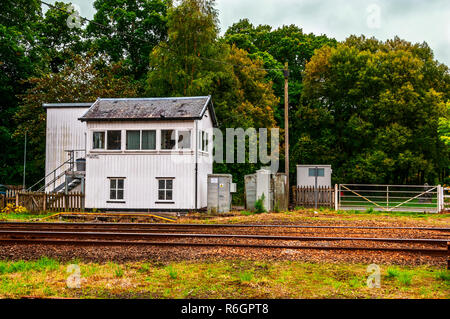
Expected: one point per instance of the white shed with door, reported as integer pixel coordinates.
(306, 175)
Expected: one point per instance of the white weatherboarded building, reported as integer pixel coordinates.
(144, 154)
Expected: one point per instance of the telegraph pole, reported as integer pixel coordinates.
(286, 129)
(24, 160)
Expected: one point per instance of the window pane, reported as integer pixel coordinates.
(184, 139)
(206, 142)
(167, 139)
(114, 140)
(98, 140)
(112, 183)
(168, 195)
(161, 184)
(120, 183)
(320, 172)
(112, 194)
(169, 184)
(148, 140)
(161, 195)
(133, 140)
(120, 194)
(203, 141)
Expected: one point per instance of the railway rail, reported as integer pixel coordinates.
(418, 240)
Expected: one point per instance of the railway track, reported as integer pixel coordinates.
(419, 240)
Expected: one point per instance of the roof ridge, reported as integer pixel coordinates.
(154, 98)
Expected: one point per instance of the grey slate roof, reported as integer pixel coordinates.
(132, 109)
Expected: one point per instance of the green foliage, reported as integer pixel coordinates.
(259, 205)
(194, 61)
(135, 27)
(371, 109)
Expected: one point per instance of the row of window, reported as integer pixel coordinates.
(117, 188)
(146, 140)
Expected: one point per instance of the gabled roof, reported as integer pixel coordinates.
(139, 109)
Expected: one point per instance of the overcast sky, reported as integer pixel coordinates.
(413, 20)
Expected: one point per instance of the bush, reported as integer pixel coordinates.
(12, 208)
(259, 205)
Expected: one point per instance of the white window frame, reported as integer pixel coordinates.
(116, 190)
(104, 142)
(140, 140)
(165, 189)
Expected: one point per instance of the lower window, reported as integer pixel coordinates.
(116, 188)
(165, 189)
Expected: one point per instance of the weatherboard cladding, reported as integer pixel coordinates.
(181, 108)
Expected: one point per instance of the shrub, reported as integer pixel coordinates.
(12, 208)
(259, 205)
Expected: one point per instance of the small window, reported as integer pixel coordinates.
(203, 141)
(167, 139)
(320, 172)
(114, 140)
(165, 189)
(116, 188)
(149, 140)
(133, 140)
(184, 139)
(98, 140)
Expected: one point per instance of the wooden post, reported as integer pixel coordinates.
(336, 198)
(45, 202)
(286, 127)
(17, 199)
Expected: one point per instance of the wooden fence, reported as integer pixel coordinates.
(36, 202)
(306, 196)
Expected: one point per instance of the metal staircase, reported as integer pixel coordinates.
(67, 170)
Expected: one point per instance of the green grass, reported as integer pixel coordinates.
(219, 279)
(42, 264)
(23, 217)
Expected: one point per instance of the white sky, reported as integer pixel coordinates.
(412, 20)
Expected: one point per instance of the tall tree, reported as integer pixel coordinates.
(371, 109)
(133, 28)
(19, 60)
(193, 61)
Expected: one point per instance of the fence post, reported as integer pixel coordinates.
(440, 198)
(45, 202)
(17, 199)
(336, 203)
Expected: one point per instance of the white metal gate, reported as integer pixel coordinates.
(446, 198)
(407, 198)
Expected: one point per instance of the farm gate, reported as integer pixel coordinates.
(408, 198)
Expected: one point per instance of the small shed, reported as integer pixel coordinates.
(306, 175)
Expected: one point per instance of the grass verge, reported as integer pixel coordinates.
(218, 279)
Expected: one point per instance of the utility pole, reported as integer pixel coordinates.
(286, 129)
(24, 159)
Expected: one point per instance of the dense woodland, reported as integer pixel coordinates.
(378, 112)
